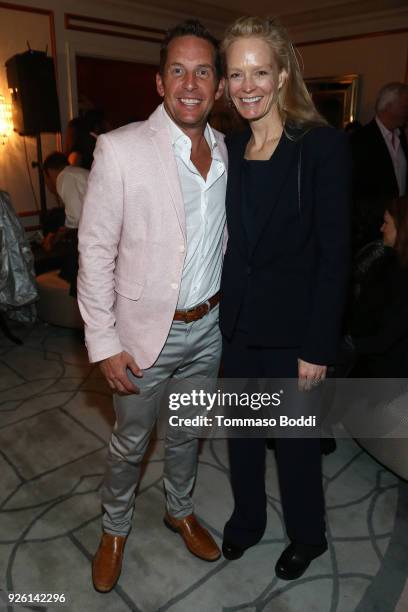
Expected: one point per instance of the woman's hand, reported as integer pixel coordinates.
(310, 375)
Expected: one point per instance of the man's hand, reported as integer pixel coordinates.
(52, 238)
(114, 370)
(310, 375)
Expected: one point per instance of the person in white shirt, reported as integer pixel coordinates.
(391, 118)
(69, 183)
(379, 162)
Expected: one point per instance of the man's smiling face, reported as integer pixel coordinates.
(189, 84)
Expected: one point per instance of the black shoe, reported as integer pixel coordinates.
(328, 445)
(232, 551)
(295, 560)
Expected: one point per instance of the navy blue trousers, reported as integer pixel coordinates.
(298, 459)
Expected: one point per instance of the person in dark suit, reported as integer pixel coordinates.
(380, 157)
(285, 274)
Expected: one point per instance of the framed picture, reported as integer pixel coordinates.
(335, 97)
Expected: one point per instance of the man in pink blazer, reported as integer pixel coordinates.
(151, 245)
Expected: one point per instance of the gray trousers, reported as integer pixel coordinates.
(191, 350)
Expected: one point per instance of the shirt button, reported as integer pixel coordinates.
(181, 248)
(174, 285)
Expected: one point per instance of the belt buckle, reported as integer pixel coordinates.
(200, 311)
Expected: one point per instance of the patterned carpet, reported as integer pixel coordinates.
(55, 421)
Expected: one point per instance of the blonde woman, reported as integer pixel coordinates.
(285, 273)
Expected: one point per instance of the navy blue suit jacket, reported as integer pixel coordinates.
(296, 266)
(373, 171)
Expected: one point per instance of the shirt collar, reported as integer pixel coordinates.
(384, 130)
(179, 138)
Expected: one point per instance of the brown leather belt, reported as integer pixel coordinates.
(196, 313)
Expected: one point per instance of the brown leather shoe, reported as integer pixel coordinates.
(107, 563)
(196, 538)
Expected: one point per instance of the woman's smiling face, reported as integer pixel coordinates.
(253, 77)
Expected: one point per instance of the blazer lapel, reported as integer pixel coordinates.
(161, 139)
(403, 141)
(404, 148)
(383, 155)
(235, 221)
(286, 157)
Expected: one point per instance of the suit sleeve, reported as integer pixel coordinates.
(332, 227)
(98, 239)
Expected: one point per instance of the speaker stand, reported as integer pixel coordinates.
(38, 164)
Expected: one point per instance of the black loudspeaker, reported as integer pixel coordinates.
(31, 79)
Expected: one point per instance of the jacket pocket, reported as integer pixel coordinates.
(129, 289)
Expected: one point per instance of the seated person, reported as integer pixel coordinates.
(69, 184)
(378, 324)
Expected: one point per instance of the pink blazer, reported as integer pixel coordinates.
(132, 242)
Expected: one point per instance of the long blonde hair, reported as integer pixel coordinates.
(294, 103)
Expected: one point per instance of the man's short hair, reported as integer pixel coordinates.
(55, 161)
(389, 93)
(190, 27)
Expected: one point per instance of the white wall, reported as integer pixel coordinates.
(378, 60)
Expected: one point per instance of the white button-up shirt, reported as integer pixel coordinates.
(204, 205)
(397, 154)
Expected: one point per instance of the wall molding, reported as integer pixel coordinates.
(39, 11)
(335, 39)
(53, 41)
(107, 27)
(25, 9)
(350, 25)
(215, 17)
(222, 15)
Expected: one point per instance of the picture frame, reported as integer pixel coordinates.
(335, 97)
